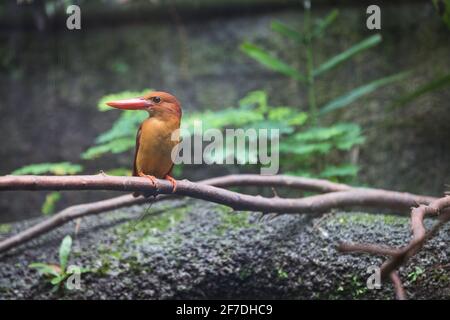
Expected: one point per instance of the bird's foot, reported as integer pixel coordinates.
(151, 178)
(172, 181)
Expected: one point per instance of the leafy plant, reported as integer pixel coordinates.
(414, 275)
(431, 86)
(358, 287)
(50, 201)
(310, 34)
(57, 274)
(121, 137)
(304, 150)
(5, 228)
(61, 168)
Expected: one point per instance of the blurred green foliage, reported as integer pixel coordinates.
(304, 150)
(61, 168)
(121, 137)
(101, 105)
(443, 9)
(50, 202)
(312, 32)
(431, 86)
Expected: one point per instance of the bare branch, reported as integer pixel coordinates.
(398, 286)
(420, 235)
(314, 204)
(344, 196)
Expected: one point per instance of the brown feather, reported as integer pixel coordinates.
(135, 173)
(138, 136)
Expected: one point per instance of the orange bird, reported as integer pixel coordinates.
(157, 135)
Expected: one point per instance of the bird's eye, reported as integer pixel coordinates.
(156, 99)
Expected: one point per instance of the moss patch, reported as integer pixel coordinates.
(5, 228)
(124, 253)
(230, 220)
(155, 222)
(367, 219)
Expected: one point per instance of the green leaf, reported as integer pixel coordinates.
(326, 133)
(298, 119)
(50, 201)
(177, 171)
(44, 269)
(347, 54)
(5, 228)
(125, 126)
(119, 172)
(229, 117)
(347, 170)
(78, 270)
(355, 94)
(288, 115)
(431, 86)
(305, 149)
(61, 168)
(254, 98)
(102, 106)
(271, 62)
(324, 23)
(57, 280)
(286, 31)
(320, 134)
(418, 271)
(279, 113)
(115, 146)
(270, 125)
(350, 139)
(64, 252)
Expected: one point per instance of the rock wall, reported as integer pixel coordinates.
(196, 250)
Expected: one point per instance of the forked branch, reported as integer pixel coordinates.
(399, 256)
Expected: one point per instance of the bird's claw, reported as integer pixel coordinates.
(151, 178)
(172, 181)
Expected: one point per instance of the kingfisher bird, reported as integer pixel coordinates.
(157, 136)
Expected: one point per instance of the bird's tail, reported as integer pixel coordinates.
(142, 215)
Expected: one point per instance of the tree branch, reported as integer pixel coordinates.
(340, 195)
(358, 197)
(399, 256)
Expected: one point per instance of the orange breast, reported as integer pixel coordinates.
(155, 147)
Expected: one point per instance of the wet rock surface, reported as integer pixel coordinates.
(194, 249)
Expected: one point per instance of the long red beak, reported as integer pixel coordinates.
(130, 104)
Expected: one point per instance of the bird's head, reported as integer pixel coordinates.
(157, 103)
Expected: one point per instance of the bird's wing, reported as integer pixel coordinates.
(169, 173)
(138, 137)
